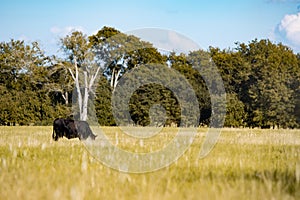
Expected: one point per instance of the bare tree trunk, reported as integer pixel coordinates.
(77, 85)
(83, 114)
(65, 97)
(88, 87)
(116, 79)
(112, 78)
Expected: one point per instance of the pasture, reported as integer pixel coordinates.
(244, 164)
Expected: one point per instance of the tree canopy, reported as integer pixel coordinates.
(261, 79)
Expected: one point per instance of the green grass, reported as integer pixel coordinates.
(245, 164)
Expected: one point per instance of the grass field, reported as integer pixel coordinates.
(245, 164)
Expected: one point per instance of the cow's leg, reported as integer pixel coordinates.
(54, 135)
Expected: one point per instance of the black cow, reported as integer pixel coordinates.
(64, 127)
(71, 129)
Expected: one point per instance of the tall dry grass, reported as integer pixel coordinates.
(245, 164)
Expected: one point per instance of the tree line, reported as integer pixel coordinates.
(261, 79)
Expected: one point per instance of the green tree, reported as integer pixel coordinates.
(103, 103)
(235, 115)
(270, 96)
(24, 84)
(84, 71)
(235, 73)
(158, 99)
(118, 53)
(60, 83)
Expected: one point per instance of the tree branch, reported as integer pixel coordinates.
(72, 74)
(93, 78)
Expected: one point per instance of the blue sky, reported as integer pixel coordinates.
(218, 23)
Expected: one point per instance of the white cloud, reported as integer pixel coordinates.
(288, 31)
(166, 40)
(181, 43)
(65, 30)
(290, 27)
